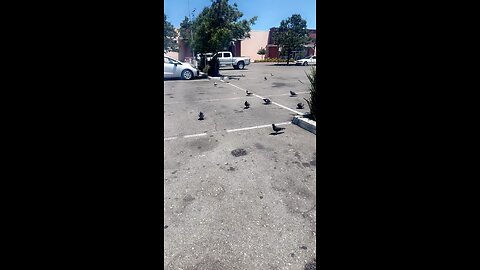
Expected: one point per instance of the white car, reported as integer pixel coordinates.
(312, 60)
(175, 69)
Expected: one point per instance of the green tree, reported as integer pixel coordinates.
(291, 35)
(216, 27)
(262, 52)
(313, 101)
(186, 31)
(169, 36)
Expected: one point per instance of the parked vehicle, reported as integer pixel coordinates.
(175, 69)
(311, 60)
(226, 59)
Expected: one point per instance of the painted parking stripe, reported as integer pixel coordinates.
(195, 135)
(228, 131)
(297, 112)
(255, 127)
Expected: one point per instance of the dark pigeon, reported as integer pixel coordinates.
(293, 93)
(265, 78)
(200, 116)
(247, 105)
(248, 93)
(277, 129)
(300, 105)
(215, 84)
(267, 101)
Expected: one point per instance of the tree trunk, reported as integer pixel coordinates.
(288, 57)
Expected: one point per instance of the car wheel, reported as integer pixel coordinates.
(305, 63)
(240, 65)
(187, 75)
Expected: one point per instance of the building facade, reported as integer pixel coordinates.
(273, 50)
(249, 47)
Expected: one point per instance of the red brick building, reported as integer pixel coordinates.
(252, 45)
(273, 51)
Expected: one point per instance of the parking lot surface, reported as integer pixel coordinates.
(236, 194)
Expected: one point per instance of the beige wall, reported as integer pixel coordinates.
(173, 55)
(250, 46)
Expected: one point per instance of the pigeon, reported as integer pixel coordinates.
(266, 100)
(301, 81)
(277, 129)
(293, 93)
(271, 74)
(243, 75)
(265, 78)
(215, 84)
(200, 116)
(247, 105)
(300, 105)
(248, 93)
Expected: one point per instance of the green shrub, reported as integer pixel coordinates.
(313, 102)
(276, 60)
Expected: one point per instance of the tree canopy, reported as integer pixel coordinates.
(291, 35)
(186, 31)
(262, 51)
(216, 27)
(169, 36)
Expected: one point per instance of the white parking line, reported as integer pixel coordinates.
(228, 131)
(263, 126)
(195, 135)
(297, 112)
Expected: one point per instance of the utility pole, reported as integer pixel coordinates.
(191, 30)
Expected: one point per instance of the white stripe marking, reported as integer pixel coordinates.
(195, 135)
(230, 130)
(263, 126)
(297, 112)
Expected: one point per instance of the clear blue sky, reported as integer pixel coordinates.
(269, 12)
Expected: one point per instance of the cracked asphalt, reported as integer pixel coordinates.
(237, 195)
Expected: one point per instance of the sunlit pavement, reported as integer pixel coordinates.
(237, 195)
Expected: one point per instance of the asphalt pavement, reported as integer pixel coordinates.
(236, 194)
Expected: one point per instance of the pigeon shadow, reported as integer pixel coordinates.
(276, 133)
(246, 108)
(201, 119)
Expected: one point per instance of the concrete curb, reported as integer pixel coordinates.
(305, 123)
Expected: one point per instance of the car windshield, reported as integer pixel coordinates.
(171, 61)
